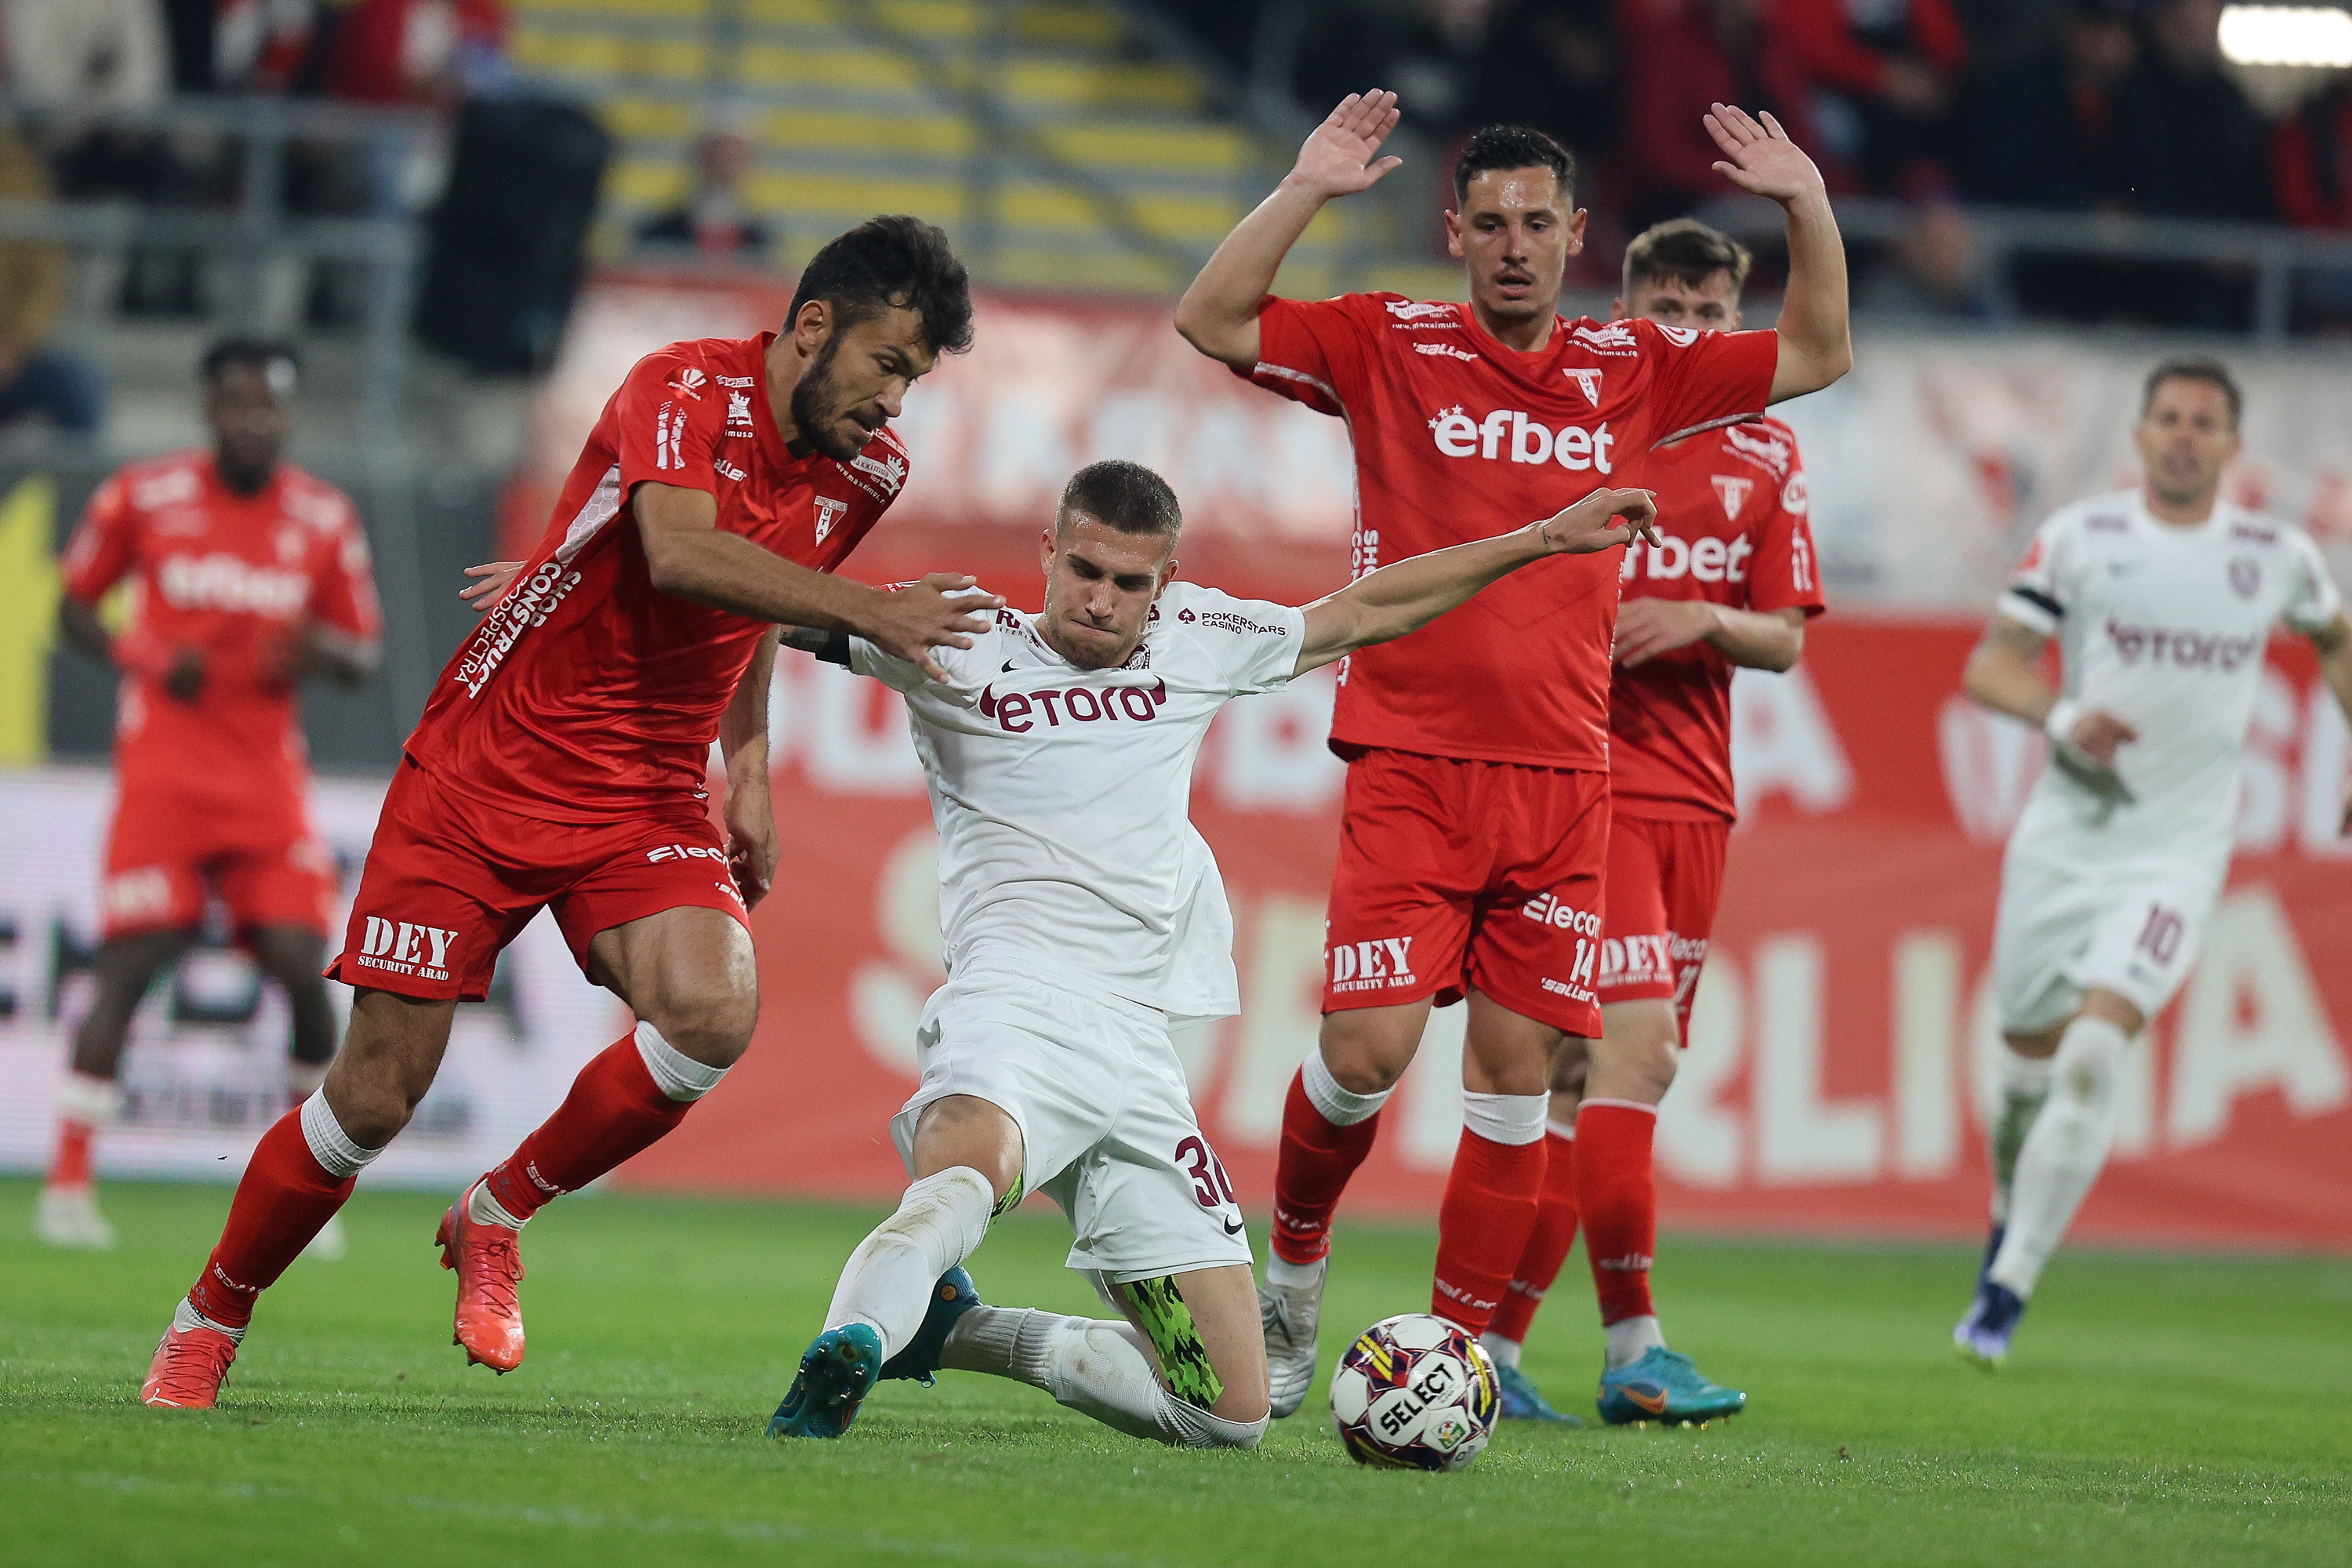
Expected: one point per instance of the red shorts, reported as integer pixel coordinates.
(1455, 873)
(1664, 877)
(268, 868)
(450, 881)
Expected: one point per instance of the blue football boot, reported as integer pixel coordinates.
(1992, 1250)
(835, 1376)
(1665, 1386)
(1983, 1336)
(1523, 1402)
(952, 1297)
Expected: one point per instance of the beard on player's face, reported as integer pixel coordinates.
(828, 416)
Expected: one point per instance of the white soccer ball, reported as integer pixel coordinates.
(1414, 1392)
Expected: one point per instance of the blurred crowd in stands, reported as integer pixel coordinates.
(84, 80)
(2074, 106)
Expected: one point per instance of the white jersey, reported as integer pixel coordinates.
(1062, 799)
(2164, 627)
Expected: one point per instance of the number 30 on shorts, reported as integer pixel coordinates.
(1212, 1188)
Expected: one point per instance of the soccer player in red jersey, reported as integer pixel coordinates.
(1730, 585)
(1474, 834)
(250, 575)
(560, 764)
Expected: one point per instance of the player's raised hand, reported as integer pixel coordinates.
(943, 610)
(1601, 520)
(2098, 735)
(1342, 154)
(491, 579)
(1759, 157)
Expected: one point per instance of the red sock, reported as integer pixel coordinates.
(284, 1199)
(615, 1110)
(1619, 1202)
(1548, 1243)
(71, 1166)
(1483, 1226)
(1310, 1173)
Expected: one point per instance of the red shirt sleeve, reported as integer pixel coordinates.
(1819, 36)
(104, 543)
(1786, 573)
(1705, 377)
(342, 582)
(668, 415)
(1311, 352)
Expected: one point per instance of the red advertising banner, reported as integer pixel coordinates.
(1838, 1055)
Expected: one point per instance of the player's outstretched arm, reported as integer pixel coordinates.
(1816, 337)
(688, 555)
(2334, 642)
(1383, 605)
(2004, 673)
(1218, 314)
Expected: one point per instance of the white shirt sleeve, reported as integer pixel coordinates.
(1254, 643)
(2314, 601)
(2042, 587)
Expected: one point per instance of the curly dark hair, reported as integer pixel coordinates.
(1494, 147)
(895, 262)
(1124, 496)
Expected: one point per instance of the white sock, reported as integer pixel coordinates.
(675, 1073)
(1514, 1120)
(186, 1317)
(1630, 1339)
(329, 1144)
(2063, 1151)
(1280, 1270)
(887, 1283)
(1341, 1106)
(484, 1209)
(1096, 1368)
(1500, 1350)
(2024, 1084)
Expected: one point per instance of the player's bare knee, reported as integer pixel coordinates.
(1366, 1055)
(712, 1027)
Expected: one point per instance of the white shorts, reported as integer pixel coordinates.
(2065, 927)
(1107, 1124)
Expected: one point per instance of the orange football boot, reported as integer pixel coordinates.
(189, 1368)
(489, 1262)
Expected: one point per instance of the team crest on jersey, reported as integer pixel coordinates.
(1732, 489)
(828, 512)
(1588, 382)
(2245, 576)
(1418, 310)
(1447, 350)
(739, 408)
(687, 383)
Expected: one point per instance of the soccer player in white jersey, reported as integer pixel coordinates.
(1083, 918)
(2162, 599)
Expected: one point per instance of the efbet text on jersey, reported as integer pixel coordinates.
(522, 608)
(1508, 431)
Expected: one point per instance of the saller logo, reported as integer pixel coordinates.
(406, 948)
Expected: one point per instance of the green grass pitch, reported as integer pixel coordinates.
(2158, 1411)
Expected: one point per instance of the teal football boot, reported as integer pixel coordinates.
(835, 1376)
(1665, 1386)
(1523, 1402)
(952, 1297)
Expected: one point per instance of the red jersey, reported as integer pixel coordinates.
(1731, 509)
(588, 694)
(1458, 438)
(238, 578)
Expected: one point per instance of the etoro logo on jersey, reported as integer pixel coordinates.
(1509, 432)
(1016, 713)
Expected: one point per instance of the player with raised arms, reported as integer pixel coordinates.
(1475, 833)
(2162, 599)
(1729, 586)
(252, 575)
(561, 760)
(1083, 918)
